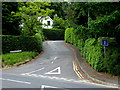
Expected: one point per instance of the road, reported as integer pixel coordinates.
(53, 69)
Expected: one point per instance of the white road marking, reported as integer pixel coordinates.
(41, 63)
(46, 86)
(69, 80)
(49, 77)
(52, 71)
(52, 62)
(55, 58)
(34, 71)
(15, 81)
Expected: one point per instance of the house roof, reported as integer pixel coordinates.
(40, 18)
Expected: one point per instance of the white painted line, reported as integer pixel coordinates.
(55, 58)
(41, 63)
(53, 71)
(45, 86)
(52, 62)
(42, 87)
(15, 81)
(35, 70)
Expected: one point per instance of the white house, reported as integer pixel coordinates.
(46, 21)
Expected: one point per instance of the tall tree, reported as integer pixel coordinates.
(58, 7)
(76, 13)
(10, 23)
(59, 22)
(30, 13)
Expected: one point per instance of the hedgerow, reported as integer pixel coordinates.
(54, 34)
(93, 52)
(24, 43)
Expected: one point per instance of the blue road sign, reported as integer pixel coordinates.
(104, 42)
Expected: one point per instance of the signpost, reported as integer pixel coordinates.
(104, 43)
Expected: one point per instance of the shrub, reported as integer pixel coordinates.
(92, 50)
(54, 34)
(68, 34)
(24, 43)
(80, 45)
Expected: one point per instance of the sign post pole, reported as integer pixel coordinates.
(104, 51)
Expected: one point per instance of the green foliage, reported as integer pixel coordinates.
(101, 18)
(29, 13)
(99, 9)
(93, 53)
(92, 50)
(80, 45)
(68, 34)
(112, 61)
(16, 58)
(76, 33)
(54, 34)
(106, 25)
(10, 23)
(76, 13)
(58, 9)
(24, 43)
(59, 23)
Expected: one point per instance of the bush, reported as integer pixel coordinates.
(54, 34)
(92, 50)
(24, 43)
(15, 58)
(68, 34)
(93, 53)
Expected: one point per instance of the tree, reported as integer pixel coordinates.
(76, 13)
(59, 22)
(58, 9)
(29, 13)
(104, 19)
(10, 23)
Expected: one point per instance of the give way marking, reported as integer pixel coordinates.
(54, 71)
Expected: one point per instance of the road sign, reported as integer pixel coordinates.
(104, 42)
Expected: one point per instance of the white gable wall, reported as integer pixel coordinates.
(44, 21)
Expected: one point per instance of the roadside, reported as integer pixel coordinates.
(23, 62)
(83, 69)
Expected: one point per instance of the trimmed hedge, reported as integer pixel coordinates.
(92, 50)
(24, 43)
(53, 34)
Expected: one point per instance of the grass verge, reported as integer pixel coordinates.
(13, 59)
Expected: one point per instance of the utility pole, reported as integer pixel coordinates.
(88, 17)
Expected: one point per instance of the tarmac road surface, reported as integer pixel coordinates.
(53, 69)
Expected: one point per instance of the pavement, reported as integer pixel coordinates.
(82, 68)
(54, 68)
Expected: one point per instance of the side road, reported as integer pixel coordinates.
(82, 68)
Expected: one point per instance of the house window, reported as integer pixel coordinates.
(48, 22)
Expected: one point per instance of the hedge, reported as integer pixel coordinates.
(92, 50)
(53, 34)
(24, 43)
